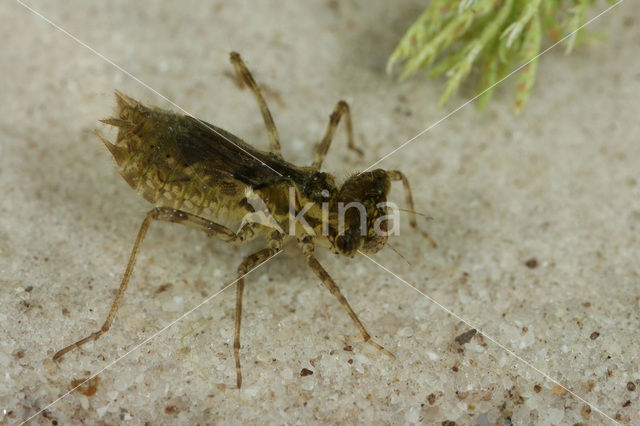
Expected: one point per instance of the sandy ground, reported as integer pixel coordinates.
(537, 219)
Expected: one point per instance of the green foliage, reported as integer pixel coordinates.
(455, 37)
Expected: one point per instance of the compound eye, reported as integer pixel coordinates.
(374, 244)
(342, 243)
(379, 174)
(346, 244)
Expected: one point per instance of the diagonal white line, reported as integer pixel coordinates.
(100, 55)
(263, 164)
(493, 85)
(509, 351)
(153, 336)
(103, 57)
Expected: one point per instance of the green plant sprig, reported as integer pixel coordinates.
(457, 37)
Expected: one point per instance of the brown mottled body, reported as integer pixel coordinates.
(199, 175)
(173, 162)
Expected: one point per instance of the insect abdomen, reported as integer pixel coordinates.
(150, 160)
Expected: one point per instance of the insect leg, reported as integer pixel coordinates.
(163, 214)
(307, 249)
(342, 108)
(244, 77)
(247, 264)
(396, 175)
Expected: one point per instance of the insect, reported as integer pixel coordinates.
(199, 175)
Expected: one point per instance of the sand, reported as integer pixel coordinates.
(536, 217)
